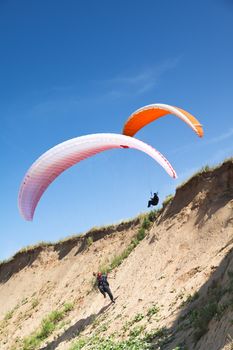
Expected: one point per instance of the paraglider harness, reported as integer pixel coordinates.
(154, 200)
(102, 280)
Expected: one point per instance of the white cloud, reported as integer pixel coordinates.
(143, 80)
(63, 98)
(226, 135)
(222, 137)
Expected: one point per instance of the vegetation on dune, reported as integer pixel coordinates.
(48, 325)
(100, 343)
(89, 241)
(78, 236)
(205, 169)
(209, 308)
(140, 235)
(155, 339)
(167, 200)
(132, 335)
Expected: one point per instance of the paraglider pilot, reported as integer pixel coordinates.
(154, 200)
(103, 285)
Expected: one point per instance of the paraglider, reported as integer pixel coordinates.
(103, 285)
(59, 158)
(154, 200)
(152, 112)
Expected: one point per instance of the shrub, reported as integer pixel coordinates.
(141, 234)
(97, 343)
(153, 310)
(68, 307)
(136, 331)
(201, 318)
(146, 223)
(137, 318)
(9, 315)
(156, 334)
(89, 241)
(152, 215)
(205, 168)
(35, 303)
(168, 199)
(78, 345)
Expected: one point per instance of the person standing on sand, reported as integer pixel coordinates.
(103, 285)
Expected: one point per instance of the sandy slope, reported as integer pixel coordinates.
(188, 249)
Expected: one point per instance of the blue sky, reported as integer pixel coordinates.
(71, 68)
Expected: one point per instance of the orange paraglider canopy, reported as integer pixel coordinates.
(148, 114)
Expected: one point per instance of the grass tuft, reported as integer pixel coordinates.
(48, 325)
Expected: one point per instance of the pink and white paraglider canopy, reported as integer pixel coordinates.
(59, 158)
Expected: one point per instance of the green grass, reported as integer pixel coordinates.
(158, 337)
(136, 331)
(137, 318)
(146, 224)
(48, 325)
(153, 214)
(89, 241)
(35, 303)
(9, 315)
(168, 199)
(118, 259)
(67, 307)
(205, 169)
(153, 310)
(141, 234)
(209, 308)
(190, 298)
(135, 339)
(202, 318)
(98, 343)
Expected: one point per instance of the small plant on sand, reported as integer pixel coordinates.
(137, 318)
(102, 328)
(158, 337)
(204, 169)
(9, 315)
(153, 215)
(89, 241)
(153, 310)
(167, 200)
(78, 344)
(202, 318)
(146, 224)
(126, 326)
(141, 234)
(24, 301)
(180, 347)
(67, 307)
(190, 298)
(136, 331)
(35, 303)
